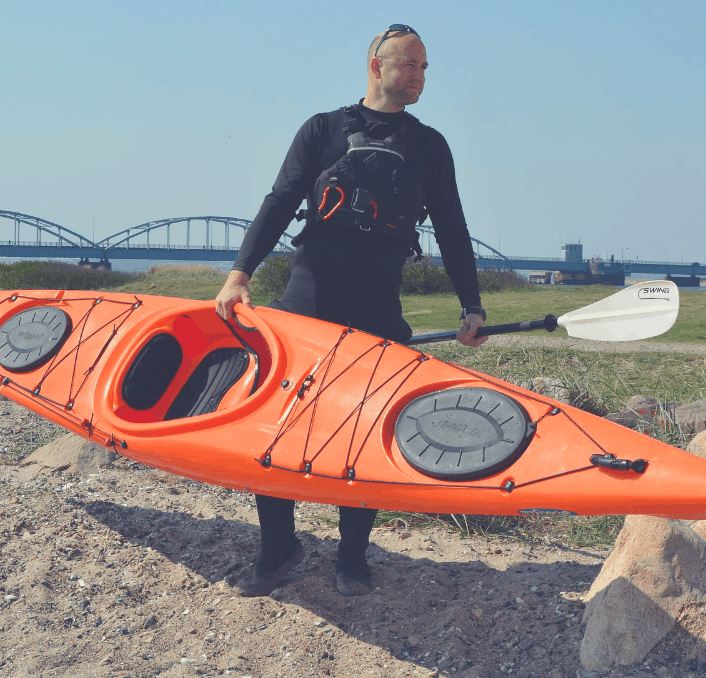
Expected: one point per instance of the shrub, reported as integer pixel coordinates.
(271, 278)
(426, 277)
(52, 275)
(422, 277)
(494, 280)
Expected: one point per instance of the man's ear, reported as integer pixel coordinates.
(375, 65)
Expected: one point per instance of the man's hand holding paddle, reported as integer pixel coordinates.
(467, 334)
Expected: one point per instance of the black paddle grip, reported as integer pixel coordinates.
(549, 323)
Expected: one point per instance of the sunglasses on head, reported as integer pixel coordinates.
(394, 29)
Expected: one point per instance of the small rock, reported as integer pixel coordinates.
(691, 417)
(414, 641)
(698, 445)
(11, 598)
(640, 404)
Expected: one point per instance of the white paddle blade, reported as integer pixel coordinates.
(638, 312)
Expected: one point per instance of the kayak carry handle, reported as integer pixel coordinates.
(610, 461)
(548, 323)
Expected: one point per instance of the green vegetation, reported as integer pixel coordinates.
(418, 278)
(187, 282)
(271, 278)
(581, 531)
(50, 275)
(440, 312)
(597, 381)
(600, 382)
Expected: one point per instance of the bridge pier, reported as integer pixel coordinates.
(103, 263)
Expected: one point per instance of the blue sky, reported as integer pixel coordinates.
(567, 120)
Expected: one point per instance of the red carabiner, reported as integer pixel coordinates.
(336, 206)
(375, 209)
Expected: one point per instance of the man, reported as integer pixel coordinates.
(367, 172)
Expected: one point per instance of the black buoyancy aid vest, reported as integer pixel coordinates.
(369, 189)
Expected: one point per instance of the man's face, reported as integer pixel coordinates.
(402, 69)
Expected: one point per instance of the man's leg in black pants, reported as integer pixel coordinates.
(352, 570)
(280, 550)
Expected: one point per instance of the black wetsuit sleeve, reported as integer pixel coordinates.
(450, 227)
(297, 174)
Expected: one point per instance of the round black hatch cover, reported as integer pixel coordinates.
(463, 433)
(32, 336)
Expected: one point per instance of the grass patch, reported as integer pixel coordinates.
(608, 378)
(578, 531)
(440, 312)
(199, 282)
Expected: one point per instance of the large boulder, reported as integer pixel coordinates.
(655, 571)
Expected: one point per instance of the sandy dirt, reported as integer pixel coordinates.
(128, 573)
(122, 574)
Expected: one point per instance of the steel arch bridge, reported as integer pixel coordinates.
(52, 240)
(65, 236)
(496, 259)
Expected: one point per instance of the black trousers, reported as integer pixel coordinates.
(304, 298)
(277, 532)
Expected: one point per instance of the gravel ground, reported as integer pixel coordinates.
(128, 573)
(586, 344)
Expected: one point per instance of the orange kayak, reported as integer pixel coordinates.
(294, 407)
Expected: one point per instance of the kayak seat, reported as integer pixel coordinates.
(209, 382)
(151, 372)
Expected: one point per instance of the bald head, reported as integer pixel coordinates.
(387, 43)
(396, 72)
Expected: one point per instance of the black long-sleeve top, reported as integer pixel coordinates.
(357, 270)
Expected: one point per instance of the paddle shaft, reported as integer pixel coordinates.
(549, 323)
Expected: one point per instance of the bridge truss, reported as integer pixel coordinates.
(64, 236)
(137, 241)
(53, 240)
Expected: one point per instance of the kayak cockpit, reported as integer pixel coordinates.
(188, 366)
